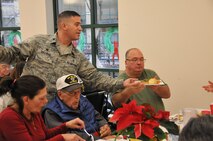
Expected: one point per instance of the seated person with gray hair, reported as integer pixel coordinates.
(198, 129)
(70, 104)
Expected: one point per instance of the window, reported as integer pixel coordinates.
(99, 40)
(9, 22)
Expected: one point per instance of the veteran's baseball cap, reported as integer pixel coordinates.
(69, 82)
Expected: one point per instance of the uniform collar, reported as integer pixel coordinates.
(53, 39)
(62, 49)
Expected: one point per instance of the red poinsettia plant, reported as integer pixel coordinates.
(142, 122)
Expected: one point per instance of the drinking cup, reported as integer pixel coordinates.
(188, 113)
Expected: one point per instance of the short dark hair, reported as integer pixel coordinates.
(198, 129)
(27, 85)
(67, 14)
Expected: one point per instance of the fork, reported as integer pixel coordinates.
(90, 135)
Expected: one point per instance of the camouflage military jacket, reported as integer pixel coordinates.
(49, 60)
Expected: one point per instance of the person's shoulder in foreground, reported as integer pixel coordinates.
(198, 129)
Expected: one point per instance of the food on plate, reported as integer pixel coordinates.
(154, 81)
(145, 81)
(151, 81)
(176, 117)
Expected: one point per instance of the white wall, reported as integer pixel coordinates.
(176, 37)
(36, 17)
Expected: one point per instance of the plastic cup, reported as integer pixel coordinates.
(189, 113)
(205, 112)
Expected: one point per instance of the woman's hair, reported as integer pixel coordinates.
(17, 71)
(27, 85)
(198, 129)
(5, 84)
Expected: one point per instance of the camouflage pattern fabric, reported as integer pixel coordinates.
(49, 60)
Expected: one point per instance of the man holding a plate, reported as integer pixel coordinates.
(154, 88)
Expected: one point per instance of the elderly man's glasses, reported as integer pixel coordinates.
(73, 93)
(135, 60)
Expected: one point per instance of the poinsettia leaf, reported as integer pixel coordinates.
(124, 122)
(116, 116)
(158, 115)
(120, 112)
(149, 108)
(152, 123)
(142, 121)
(170, 126)
(137, 130)
(127, 109)
(162, 115)
(159, 133)
(148, 131)
(128, 120)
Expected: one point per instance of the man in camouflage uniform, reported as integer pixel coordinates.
(52, 56)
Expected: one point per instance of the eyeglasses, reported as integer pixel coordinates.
(135, 60)
(73, 93)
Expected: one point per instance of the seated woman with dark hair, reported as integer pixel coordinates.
(22, 121)
(198, 129)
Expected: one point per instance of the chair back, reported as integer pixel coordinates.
(97, 99)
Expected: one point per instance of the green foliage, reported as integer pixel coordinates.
(170, 126)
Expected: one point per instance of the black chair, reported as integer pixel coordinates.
(100, 102)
